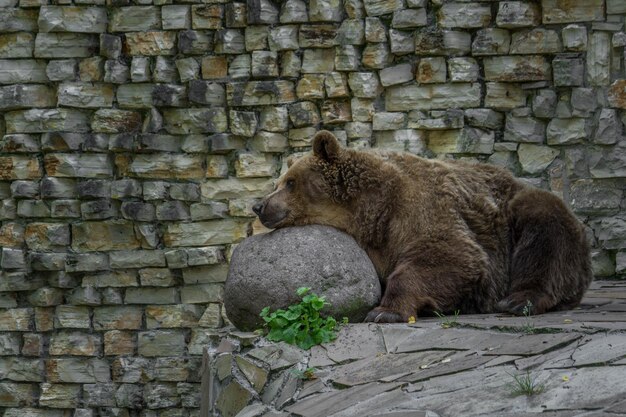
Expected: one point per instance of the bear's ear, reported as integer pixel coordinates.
(291, 159)
(326, 146)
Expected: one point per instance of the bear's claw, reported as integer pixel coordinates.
(383, 316)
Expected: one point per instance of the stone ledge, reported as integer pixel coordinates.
(435, 367)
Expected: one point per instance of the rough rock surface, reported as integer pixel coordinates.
(266, 270)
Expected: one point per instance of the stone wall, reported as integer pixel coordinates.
(136, 138)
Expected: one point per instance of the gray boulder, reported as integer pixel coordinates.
(266, 270)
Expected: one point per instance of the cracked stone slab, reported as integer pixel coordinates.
(278, 356)
(384, 366)
(356, 342)
(448, 366)
(600, 350)
(407, 339)
(534, 344)
(329, 403)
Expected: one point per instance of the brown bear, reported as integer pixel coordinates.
(443, 235)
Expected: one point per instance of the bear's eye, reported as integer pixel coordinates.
(289, 184)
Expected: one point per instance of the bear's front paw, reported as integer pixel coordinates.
(384, 315)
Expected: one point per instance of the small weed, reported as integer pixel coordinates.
(525, 384)
(301, 324)
(308, 374)
(449, 322)
(529, 325)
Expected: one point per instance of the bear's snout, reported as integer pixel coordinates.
(258, 208)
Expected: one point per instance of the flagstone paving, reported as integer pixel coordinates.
(465, 366)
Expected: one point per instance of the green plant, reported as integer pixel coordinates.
(448, 322)
(529, 325)
(525, 384)
(301, 324)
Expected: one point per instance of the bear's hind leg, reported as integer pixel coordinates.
(550, 265)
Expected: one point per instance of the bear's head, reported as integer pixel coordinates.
(312, 191)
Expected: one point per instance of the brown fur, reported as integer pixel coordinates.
(442, 235)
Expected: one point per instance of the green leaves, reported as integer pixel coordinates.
(301, 324)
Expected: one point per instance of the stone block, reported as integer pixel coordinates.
(194, 42)
(317, 36)
(574, 38)
(17, 45)
(325, 11)
(615, 7)
(555, 11)
(172, 316)
(151, 43)
(617, 94)
(213, 232)
(283, 38)
(595, 196)
(544, 104)
(609, 162)
(364, 84)
(93, 69)
(436, 96)
(516, 14)
(135, 19)
(65, 45)
(491, 41)
(381, 7)
(264, 64)
(207, 16)
(351, 32)
(504, 96)
(442, 42)
(159, 342)
(260, 93)
(175, 17)
(230, 41)
(188, 69)
(609, 127)
(206, 92)
(99, 395)
(376, 55)
(202, 293)
(534, 159)
(256, 37)
(59, 395)
(431, 70)
(599, 59)
(196, 120)
(14, 97)
(75, 344)
(78, 165)
(85, 95)
(13, 19)
(463, 69)
(71, 317)
(347, 58)
(517, 68)
(72, 19)
(117, 318)
(468, 140)
(110, 46)
(106, 235)
(536, 41)
(262, 12)
(524, 129)
(318, 61)
(568, 71)
(16, 71)
(411, 18)
(294, 11)
(464, 15)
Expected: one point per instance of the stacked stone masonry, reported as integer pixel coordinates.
(136, 137)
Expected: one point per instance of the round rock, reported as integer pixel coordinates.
(266, 270)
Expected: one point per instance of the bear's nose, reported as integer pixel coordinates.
(258, 208)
